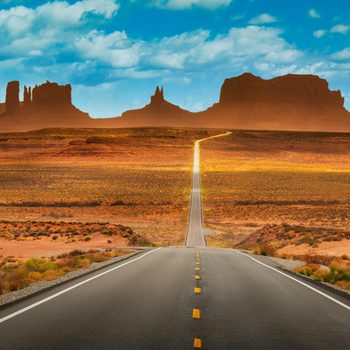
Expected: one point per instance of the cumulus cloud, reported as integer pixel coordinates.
(314, 14)
(114, 49)
(342, 55)
(187, 51)
(30, 30)
(319, 33)
(188, 4)
(340, 28)
(264, 18)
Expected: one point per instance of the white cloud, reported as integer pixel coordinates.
(264, 18)
(314, 14)
(319, 33)
(25, 31)
(114, 49)
(188, 51)
(340, 28)
(342, 55)
(188, 4)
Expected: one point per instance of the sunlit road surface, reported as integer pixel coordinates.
(195, 234)
(181, 298)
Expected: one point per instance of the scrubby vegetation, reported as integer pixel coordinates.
(337, 271)
(17, 275)
(273, 237)
(67, 231)
(140, 178)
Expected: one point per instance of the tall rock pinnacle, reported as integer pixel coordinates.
(158, 96)
(12, 97)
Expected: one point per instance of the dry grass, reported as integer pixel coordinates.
(337, 273)
(139, 178)
(17, 276)
(252, 179)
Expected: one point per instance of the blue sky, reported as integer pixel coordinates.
(114, 52)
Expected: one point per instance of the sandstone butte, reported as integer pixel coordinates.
(290, 102)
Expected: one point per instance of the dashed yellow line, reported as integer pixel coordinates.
(197, 277)
(196, 313)
(197, 344)
(198, 268)
(198, 263)
(198, 290)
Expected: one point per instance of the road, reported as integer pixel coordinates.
(195, 234)
(148, 304)
(181, 298)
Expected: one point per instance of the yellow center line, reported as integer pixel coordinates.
(197, 343)
(198, 263)
(198, 290)
(198, 268)
(196, 313)
(197, 277)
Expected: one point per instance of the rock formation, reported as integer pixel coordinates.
(12, 97)
(290, 102)
(159, 112)
(47, 105)
(52, 95)
(27, 96)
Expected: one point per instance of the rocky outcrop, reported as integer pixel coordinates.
(290, 102)
(12, 97)
(52, 95)
(27, 96)
(159, 112)
(46, 105)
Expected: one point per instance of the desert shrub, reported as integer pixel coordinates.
(320, 274)
(84, 263)
(137, 240)
(16, 279)
(34, 275)
(39, 265)
(307, 269)
(76, 252)
(343, 284)
(98, 257)
(87, 238)
(50, 275)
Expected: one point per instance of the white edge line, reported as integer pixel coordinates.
(32, 306)
(296, 280)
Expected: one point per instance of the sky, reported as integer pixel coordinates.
(115, 52)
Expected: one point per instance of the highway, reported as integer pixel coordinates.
(181, 298)
(195, 234)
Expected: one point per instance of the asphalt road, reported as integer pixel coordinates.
(148, 304)
(195, 233)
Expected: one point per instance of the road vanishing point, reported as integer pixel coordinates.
(182, 298)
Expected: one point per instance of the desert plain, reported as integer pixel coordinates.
(277, 193)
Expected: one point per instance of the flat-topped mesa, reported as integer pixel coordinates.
(50, 95)
(303, 90)
(12, 97)
(290, 102)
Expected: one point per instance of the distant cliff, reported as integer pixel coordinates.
(46, 105)
(290, 102)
